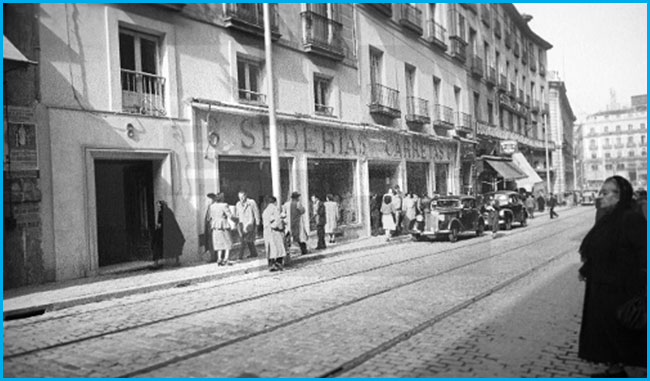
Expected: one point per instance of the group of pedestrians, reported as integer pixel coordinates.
(282, 226)
(394, 212)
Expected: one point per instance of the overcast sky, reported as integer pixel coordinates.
(596, 47)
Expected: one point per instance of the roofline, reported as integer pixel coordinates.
(563, 96)
(516, 17)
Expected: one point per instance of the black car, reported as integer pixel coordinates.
(511, 208)
(449, 217)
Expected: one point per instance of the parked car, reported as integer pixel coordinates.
(589, 197)
(511, 208)
(449, 217)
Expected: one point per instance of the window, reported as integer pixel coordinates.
(375, 66)
(642, 139)
(619, 153)
(594, 167)
(592, 143)
(592, 131)
(620, 166)
(322, 95)
(605, 129)
(593, 155)
(608, 155)
(606, 141)
(630, 153)
(643, 126)
(629, 127)
(618, 140)
(490, 110)
(618, 128)
(409, 74)
(142, 86)
(249, 74)
(642, 152)
(630, 139)
(608, 167)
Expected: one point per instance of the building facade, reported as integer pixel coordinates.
(615, 143)
(168, 102)
(561, 119)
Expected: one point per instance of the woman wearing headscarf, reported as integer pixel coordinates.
(274, 234)
(219, 215)
(388, 215)
(331, 217)
(614, 256)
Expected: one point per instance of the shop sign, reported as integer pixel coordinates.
(237, 135)
(20, 138)
(508, 147)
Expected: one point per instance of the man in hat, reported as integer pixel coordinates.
(294, 210)
(248, 217)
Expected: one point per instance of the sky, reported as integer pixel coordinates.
(596, 47)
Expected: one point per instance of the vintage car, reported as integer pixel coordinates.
(449, 216)
(511, 208)
(589, 197)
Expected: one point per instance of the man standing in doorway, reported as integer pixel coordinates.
(318, 216)
(248, 218)
(552, 202)
(397, 205)
(293, 210)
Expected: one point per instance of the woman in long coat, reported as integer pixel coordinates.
(331, 217)
(388, 215)
(293, 210)
(614, 256)
(219, 215)
(274, 235)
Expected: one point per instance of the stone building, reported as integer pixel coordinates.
(561, 119)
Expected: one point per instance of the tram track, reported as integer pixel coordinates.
(290, 322)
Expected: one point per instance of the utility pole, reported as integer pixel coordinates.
(273, 131)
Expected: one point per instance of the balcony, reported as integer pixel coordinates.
(443, 117)
(524, 57)
(384, 101)
(322, 36)
(503, 82)
(384, 8)
(324, 110)
(486, 15)
(497, 28)
(411, 18)
(542, 69)
(458, 49)
(631, 145)
(248, 96)
(249, 18)
(143, 93)
(619, 145)
(417, 110)
(521, 98)
(515, 49)
(607, 146)
(513, 91)
(436, 34)
(593, 147)
(546, 109)
(533, 62)
(535, 106)
(508, 39)
(464, 122)
(491, 77)
(476, 66)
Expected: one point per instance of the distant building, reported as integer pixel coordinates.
(561, 119)
(615, 143)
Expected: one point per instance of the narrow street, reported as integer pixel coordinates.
(481, 307)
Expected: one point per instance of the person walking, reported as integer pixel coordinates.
(318, 216)
(274, 234)
(247, 216)
(614, 271)
(541, 202)
(168, 239)
(530, 205)
(388, 215)
(409, 206)
(207, 230)
(375, 214)
(552, 203)
(331, 217)
(293, 210)
(221, 224)
(397, 209)
(493, 208)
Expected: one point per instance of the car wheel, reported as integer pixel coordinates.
(453, 236)
(418, 238)
(480, 228)
(508, 223)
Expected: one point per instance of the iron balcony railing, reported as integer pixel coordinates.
(417, 110)
(385, 8)
(477, 65)
(593, 147)
(491, 77)
(411, 17)
(503, 82)
(619, 145)
(252, 96)
(542, 69)
(322, 35)
(458, 49)
(607, 146)
(323, 109)
(252, 14)
(521, 96)
(443, 116)
(513, 90)
(384, 100)
(497, 27)
(463, 121)
(143, 93)
(436, 33)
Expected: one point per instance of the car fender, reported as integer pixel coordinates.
(456, 222)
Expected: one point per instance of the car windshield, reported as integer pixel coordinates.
(502, 198)
(448, 203)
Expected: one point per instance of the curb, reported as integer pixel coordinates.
(39, 309)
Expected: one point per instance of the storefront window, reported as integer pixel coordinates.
(382, 176)
(417, 175)
(335, 177)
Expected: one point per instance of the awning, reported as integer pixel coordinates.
(531, 178)
(506, 169)
(11, 53)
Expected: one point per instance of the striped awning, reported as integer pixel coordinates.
(506, 169)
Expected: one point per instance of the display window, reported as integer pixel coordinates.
(335, 177)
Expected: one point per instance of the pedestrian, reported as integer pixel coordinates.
(294, 210)
(318, 217)
(614, 270)
(221, 225)
(409, 206)
(274, 226)
(540, 202)
(530, 205)
(388, 215)
(375, 214)
(397, 207)
(552, 202)
(493, 208)
(247, 216)
(207, 230)
(331, 217)
(168, 239)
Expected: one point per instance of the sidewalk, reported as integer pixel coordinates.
(38, 299)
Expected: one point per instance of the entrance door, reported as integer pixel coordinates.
(125, 210)
(382, 176)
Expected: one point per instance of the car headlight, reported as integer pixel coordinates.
(441, 217)
(419, 218)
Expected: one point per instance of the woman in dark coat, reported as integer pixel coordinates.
(614, 256)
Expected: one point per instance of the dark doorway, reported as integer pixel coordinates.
(125, 210)
(417, 175)
(382, 176)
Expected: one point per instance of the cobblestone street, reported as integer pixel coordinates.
(481, 307)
